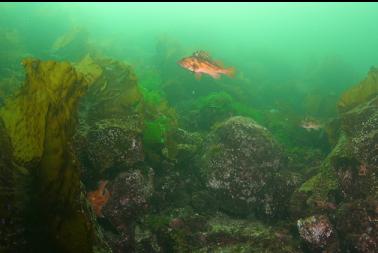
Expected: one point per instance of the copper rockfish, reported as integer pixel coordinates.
(201, 63)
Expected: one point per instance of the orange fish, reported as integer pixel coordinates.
(201, 63)
(99, 198)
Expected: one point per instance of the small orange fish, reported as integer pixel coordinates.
(99, 198)
(201, 63)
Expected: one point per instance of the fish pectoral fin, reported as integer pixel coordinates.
(198, 76)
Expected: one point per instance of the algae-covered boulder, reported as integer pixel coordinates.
(130, 193)
(345, 186)
(321, 192)
(355, 223)
(239, 162)
(318, 233)
(109, 139)
(181, 230)
(242, 235)
(41, 121)
(109, 146)
(361, 125)
(360, 93)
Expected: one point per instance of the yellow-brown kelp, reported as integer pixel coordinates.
(360, 93)
(40, 121)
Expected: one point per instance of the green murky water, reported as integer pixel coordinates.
(188, 127)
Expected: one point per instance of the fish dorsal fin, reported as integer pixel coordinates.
(218, 63)
(202, 54)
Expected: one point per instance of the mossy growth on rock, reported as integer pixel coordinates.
(240, 161)
(325, 181)
(236, 235)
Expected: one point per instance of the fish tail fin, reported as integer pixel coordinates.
(230, 72)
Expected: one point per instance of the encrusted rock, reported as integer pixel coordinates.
(130, 193)
(239, 162)
(317, 231)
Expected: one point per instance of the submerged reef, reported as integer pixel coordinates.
(345, 188)
(93, 160)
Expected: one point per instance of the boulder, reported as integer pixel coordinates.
(318, 233)
(239, 162)
(129, 201)
(356, 225)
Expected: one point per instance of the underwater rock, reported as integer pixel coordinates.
(318, 232)
(130, 193)
(346, 182)
(321, 187)
(111, 146)
(240, 235)
(172, 230)
(188, 144)
(356, 224)
(239, 161)
(109, 138)
(349, 170)
(352, 121)
(360, 93)
(182, 230)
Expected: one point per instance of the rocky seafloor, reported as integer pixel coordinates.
(90, 162)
